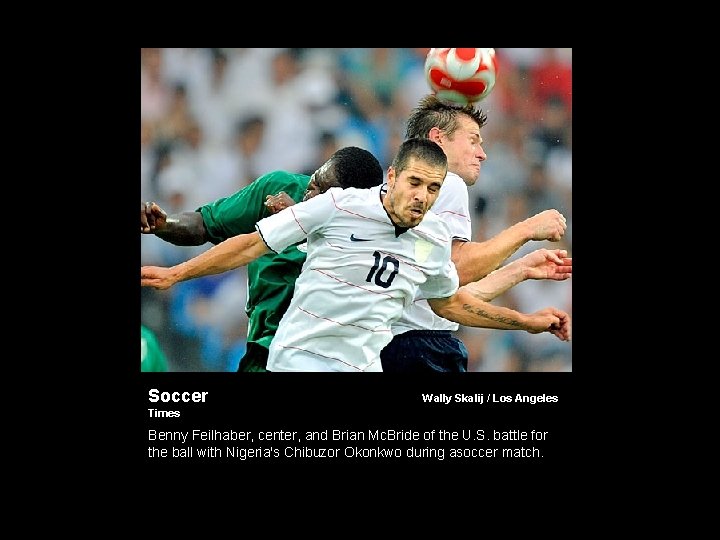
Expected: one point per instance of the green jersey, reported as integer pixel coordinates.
(152, 357)
(271, 278)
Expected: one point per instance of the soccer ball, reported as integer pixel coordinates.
(461, 76)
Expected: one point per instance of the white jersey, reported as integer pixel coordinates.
(453, 209)
(359, 276)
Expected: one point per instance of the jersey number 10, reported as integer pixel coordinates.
(384, 283)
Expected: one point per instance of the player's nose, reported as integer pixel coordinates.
(420, 195)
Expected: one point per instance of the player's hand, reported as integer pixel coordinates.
(278, 202)
(547, 264)
(152, 217)
(156, 277)
(547, 225)
(552, 320)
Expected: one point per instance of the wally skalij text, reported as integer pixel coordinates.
(487, 398)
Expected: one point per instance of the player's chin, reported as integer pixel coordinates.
(471, 179)
(412, 222)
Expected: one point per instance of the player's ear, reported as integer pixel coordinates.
(434, 134)
(390, 176)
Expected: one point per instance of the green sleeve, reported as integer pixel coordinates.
(238, 213)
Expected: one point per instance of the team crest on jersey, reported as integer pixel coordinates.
(422, 250)
(302, 247)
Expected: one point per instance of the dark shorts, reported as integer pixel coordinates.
(255, 358)
(425, 351)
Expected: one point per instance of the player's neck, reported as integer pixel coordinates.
(399, 229)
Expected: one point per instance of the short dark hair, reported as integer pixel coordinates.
(356, 167)
(431, 112)
(421, 148)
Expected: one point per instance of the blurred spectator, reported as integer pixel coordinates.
(198, 171)
(147, 160)
(176, 124)
(551, 131)
(154, 91)
(551, 77)
(370, 79)
(213, 103)
(559, 168)
(290, 141)
(539, 193)
(249, 134)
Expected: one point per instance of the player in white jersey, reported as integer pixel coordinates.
(361, 272)
(369, 253)
(422, 340)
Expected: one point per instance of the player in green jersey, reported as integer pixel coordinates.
(271, 278)
(152, 357)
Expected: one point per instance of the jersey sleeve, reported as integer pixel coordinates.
(441, 285)
(453, 207)
(295, 223)
(238, 213)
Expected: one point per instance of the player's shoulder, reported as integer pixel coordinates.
(453, 187)
(454, 179)
(453, 195)
(283, 180)
(354, 195)
(433, 227)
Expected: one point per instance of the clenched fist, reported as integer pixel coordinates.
(547, 225)
(152, 217)
(278, 202)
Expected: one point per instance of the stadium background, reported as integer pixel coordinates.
(212, 120)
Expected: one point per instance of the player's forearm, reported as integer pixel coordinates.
(184, 229)
(468, 309)
(497, 282)
(228, 255)
(475, 260)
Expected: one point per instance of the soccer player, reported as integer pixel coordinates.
(422, 340)
(271, 277)
(368, 253)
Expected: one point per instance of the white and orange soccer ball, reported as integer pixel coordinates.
(461, 76)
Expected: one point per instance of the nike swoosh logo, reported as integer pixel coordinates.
(352, 237)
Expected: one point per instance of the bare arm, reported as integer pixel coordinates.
(228, 255)
(466, 308)
(183, 229)
(475, 260)
(540, 264)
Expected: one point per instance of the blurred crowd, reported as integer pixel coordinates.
(213, 120)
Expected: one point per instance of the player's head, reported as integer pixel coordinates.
(347, 167)
(456, 128)
(414, 181)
